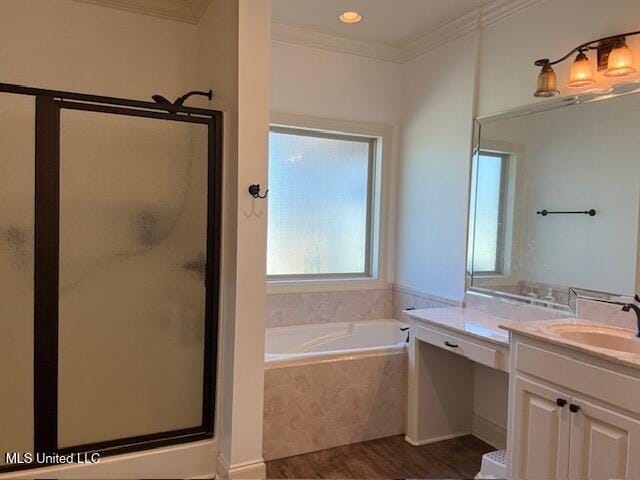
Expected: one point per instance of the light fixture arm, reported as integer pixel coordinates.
(592, 45)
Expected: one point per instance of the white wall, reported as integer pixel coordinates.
(316, 82)
(335, 86)
(234, 54)
(549, 29)
(67, 45)
(490, 396)
(438, 104)
(438, 110)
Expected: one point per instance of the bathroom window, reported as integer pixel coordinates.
(489, 183)
(321, 191)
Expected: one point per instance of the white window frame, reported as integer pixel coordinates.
(502, 263)
(381, 240)
(513, 216)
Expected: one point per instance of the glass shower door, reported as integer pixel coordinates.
(17, 121)
(110, 228)
(133, 198)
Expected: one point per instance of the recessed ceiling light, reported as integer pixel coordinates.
(350, 17)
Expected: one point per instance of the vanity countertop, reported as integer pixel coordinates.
(540, 330)
(494, 329)
(465, 320)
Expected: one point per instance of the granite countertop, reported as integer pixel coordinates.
(540, 330)
(494, 329)
(467, 321)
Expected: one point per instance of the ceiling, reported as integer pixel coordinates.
(392, 30)
(189, 11)
(392, 23)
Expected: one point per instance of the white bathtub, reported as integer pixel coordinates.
(333, 384)
(287, 346)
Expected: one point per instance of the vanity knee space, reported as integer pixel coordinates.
(458, 380)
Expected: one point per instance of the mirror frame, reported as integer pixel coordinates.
(575, 293)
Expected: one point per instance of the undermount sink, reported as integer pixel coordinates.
(610, 338)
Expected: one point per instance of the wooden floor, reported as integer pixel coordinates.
(391, 458)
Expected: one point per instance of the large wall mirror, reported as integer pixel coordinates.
(555, 200)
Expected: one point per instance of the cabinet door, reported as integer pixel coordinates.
(604, 444)
(539, 445)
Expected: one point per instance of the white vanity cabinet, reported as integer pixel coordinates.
(604, 443)
(571, 416)
(541, 431)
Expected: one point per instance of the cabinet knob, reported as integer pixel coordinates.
(574, 408)
(561, 402)
(450, 345)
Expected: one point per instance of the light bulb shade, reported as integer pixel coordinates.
(547, 83)
(620, 61)
(581, 72)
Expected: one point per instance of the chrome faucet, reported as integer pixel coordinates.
(632, 306)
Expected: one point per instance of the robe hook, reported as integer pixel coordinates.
(254, 191)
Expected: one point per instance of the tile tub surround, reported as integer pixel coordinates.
(289, 309)
(511, 309)
(405, 297)
(606, 313)
(327, 404)
(591, 310)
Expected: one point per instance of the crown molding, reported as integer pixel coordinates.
(441, 35)
(501, 10)
(472, 21)
(309, 37)
(186, 12)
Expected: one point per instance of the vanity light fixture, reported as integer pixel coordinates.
(350, 17)
(620, 60)
(547, 82)
(581, 72)
(614, 58)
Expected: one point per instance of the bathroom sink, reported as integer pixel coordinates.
(610, 338)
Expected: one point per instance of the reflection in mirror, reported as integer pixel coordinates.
(555, 198)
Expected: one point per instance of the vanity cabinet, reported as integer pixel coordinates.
(559, 432)
(604, 443)
(541, 432)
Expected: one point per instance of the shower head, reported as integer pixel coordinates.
(160, 99)
(180, 101)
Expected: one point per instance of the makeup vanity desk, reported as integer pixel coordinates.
(445, 342)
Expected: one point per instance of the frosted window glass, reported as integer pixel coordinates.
(318, 205)
(133, 222)
(17, 133)
(487, 184)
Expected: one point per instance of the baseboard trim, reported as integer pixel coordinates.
(489, 432)
(427, 441)
(247, 470)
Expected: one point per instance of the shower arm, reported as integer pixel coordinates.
(180, 101)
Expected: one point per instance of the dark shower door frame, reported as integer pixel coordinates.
(46, 264)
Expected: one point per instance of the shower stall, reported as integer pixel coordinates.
(110, 223)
